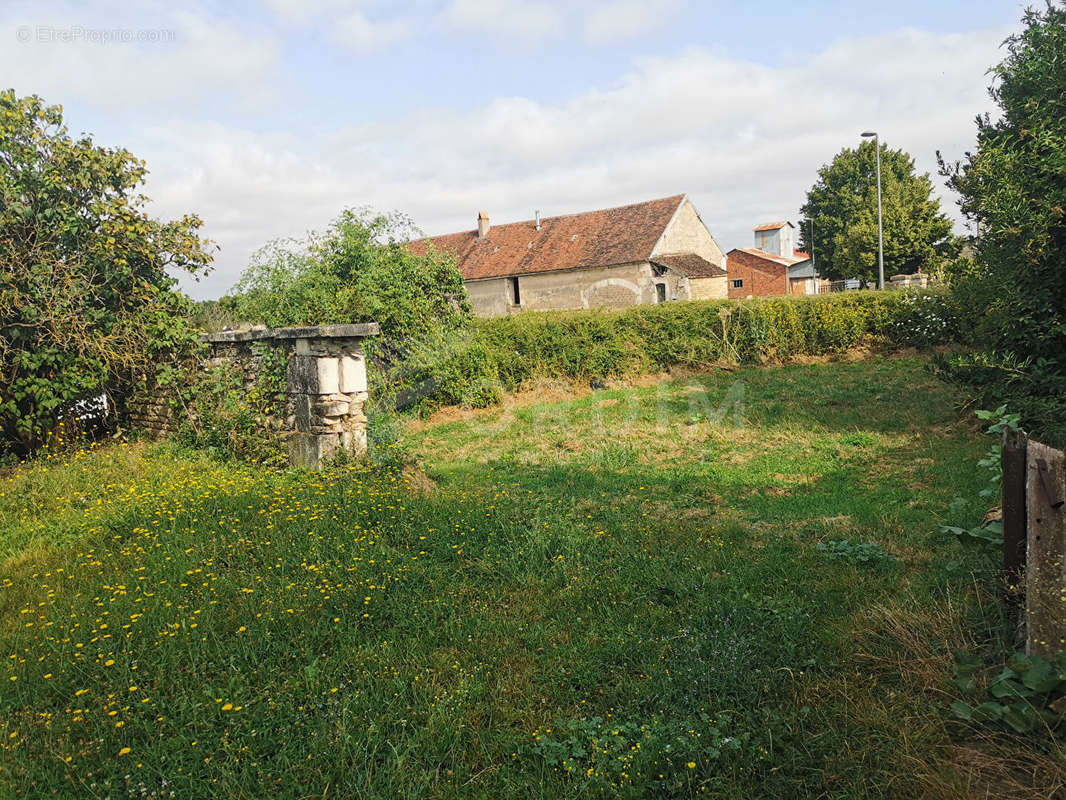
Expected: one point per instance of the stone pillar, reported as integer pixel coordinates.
(326, 388)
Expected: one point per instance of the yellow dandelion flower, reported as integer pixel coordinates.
(125, 751)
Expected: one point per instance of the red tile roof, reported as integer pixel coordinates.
(752, 251)
(800, 254)
(590, 239)
(690, 264)
(770, 226)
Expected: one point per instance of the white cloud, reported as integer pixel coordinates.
(303, 11)
(362, 35)
(193, 58)
(525, 19)
(626, 19)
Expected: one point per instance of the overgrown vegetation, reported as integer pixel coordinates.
(86, 302)
(475, 366)
(605, 595)
(988, 533)
(359, 269)
(1013, 192)
(219, 409)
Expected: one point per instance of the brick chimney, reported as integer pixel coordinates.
(482, 225)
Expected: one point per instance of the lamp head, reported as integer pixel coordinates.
(868, 134)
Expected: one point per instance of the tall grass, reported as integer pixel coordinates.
(569, 612)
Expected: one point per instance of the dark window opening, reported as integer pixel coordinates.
(738, 284)
(660, 292)
(516, 297)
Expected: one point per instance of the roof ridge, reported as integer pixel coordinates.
(532, 220)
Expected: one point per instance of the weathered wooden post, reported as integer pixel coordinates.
(1012, 459)
(1045, 580)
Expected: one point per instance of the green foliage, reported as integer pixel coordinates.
(1013, 191)
(359, 269)
(1027, 694)
(1034, 387)
(843, 207)
(857, 552)
(85, 297)
(472, 365)
(988, 535)
(223, 414)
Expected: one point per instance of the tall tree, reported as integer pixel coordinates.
(843, 207)
(1013, 188)
(85, 296)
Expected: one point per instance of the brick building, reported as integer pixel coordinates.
(773, 267)
(651, 252)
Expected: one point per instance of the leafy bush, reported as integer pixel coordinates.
(359, 269)
(85, 297)
(1013, 193)
(474, 363)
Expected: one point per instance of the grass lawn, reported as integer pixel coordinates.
(731, 585)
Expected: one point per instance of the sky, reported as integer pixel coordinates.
(268, 118)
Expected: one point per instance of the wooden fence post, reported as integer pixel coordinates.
(1012, 459)
(1045, 582)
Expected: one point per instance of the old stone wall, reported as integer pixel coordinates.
(687, 234)
(317, 396)
(716, 288)
(615, 287)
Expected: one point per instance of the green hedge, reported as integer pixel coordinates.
(494, 355)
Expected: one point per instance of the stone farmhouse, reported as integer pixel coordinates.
(652, 252)
(773, 266)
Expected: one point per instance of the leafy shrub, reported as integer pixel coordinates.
(474, 363)
(358, 269)
(922, 319)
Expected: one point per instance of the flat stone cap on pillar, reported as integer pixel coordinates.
(358, 330)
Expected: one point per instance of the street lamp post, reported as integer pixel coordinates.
(880, 233)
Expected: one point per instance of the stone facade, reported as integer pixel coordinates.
(686, 233)
(716, 288)
(321, 409)
(614, 287)
(611, 258)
